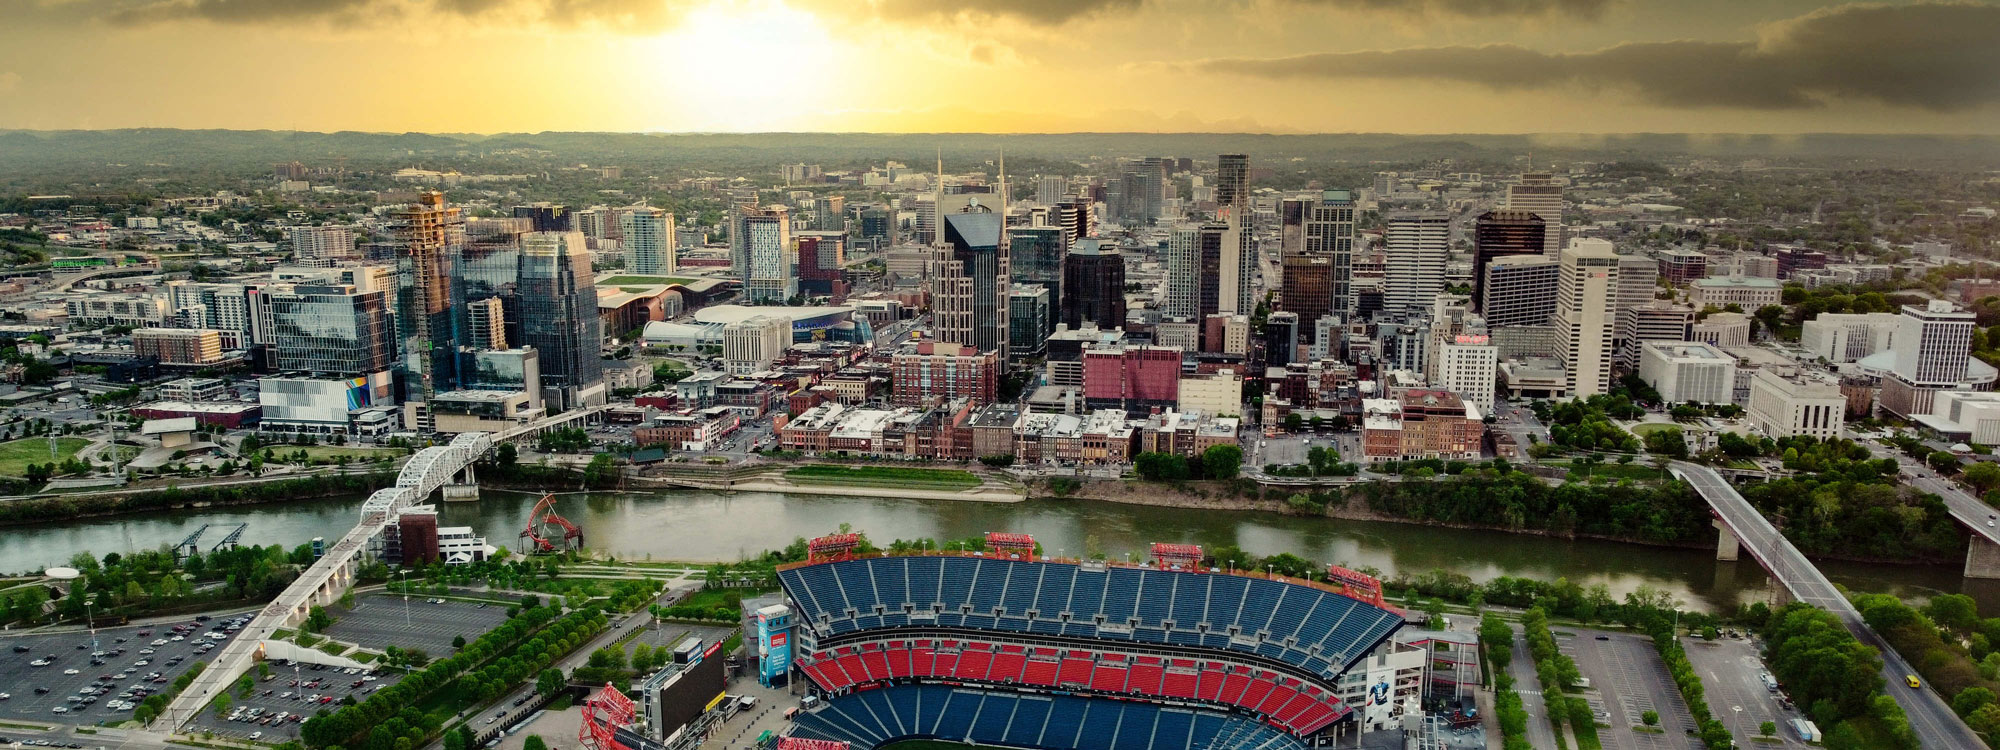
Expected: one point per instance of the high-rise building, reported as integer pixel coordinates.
(598, 222)
(1687, 371)
(1281, 339)
(322, 242)
(1418, 248)
(1093, 286)
(545, 217)
(487, 327)
(1682, 266)
(822, 263)
(1638, 280)
(1307, 287)
(1292, 225)
(1134, 378)
(1932, 353)
(970, 279)
(1501, 233)
(1208, 271)
(1519, 290)
(1469, 366)
(761, 253)
(1029, 319)
(225, 308)
(1328, 230)
(1538, 193)
(1139, 191)
(648, 237)
(1074, 215)
(1232, 181)
(330, 329)
(1656, 321)
(559, 317)
(1035, 256)
(754, 344)
(935, 371)
(1584, 296)
(1049, 189)
(178, 346)
(429, 235)
(878, 224)
(1787, 401)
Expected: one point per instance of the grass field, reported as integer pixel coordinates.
(623, 280)
(16, 455)
(329, 454)
(1649, 428)
(885, 476)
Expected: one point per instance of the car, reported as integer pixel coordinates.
(39, 663)
(142, 662)
(180, 637)
(5, 696)
(65, 709)
(21, 649)
(256, 735)
(1604, 638)
(201, 618)
(72, 670)
(1912, 680)
(41, 690)
(145, 652)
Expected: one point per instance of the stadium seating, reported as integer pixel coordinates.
(1287, 702)
(872, 718)
(1320, 632)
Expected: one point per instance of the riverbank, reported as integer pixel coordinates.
(40, 510)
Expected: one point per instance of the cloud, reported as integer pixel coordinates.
(1583, 9)
(1037, 12)
(9, 80)
(1937, 57)
(625, 15)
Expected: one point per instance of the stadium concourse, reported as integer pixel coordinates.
(1005, 648)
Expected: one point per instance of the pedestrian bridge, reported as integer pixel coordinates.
(430, 470)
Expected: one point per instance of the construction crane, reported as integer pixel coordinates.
(190, 544)
(230, 541)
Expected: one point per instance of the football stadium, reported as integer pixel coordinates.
(1007, 648)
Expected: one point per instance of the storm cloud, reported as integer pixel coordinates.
(1938, 57)
(632, 15)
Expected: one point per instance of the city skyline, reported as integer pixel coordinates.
(1291, 66)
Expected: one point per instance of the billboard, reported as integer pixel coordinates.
(675, 701)
(774, 644)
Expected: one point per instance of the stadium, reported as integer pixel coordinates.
(1006, 648)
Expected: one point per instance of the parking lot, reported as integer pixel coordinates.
(1732, 675)
(426, 624)
(90, 693)
(301, 690)
(1627, 679)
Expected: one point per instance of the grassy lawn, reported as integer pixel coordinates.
(330, 454)
(1649, 428)
(17, 454)
(1611, 472)
(884, 476)
(621, 280)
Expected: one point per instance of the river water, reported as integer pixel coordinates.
(707, 526)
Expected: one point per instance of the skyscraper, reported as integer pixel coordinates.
(1232, 180)
(1329, 230)
(649, 240)
(1307, 288)
(970, 280)
(1035, 256)
(1029, 320)
(545, 216)
(1519, 290)
(1538, 193)
(1207, 271)
(1050, 188)
(1093, 285)
(1584, 299)
(1503, 232)
(429, 236)
(322, 242)
(559, 317)
(327, 329)
(762, 254)
(1932, 352)
(1418, 246)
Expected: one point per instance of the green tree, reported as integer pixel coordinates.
(534, 742)
(222, 704)
(1222, 461)
(1650, 717)
(549, 682)
(1768, 729)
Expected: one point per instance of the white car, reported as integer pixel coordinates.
(59, 710)
(39, 663)
(160, 641)
(71, 671)
(256, 735)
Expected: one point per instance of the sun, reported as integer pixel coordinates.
(745, 66)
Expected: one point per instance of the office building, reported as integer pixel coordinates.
(1232, 181)
(1419, 424)
(1219, 393)
(755, 344)
(1502, 233)
(1787, 401)
(329, 329)
(1030, 320)
(1329, 230)
(1281, 339)
(322, 242)
(1208, 271)
(1538, 193)
(1679, 267)
(224, 308)
(428, 235)
(559, 318)
(970, 280)
(178, 346)
(1133, 378)
(1932, 352)
(1469, 366)
(648, 239)
(486, 324)
(1093, 286)
(1657, 320)
(1964, 416)
(107, 309)
(1638, 280)
(1519, 290)
(1746, 292)
(1306, 287)
(1049, 189)
(1584, 296)
(822, 264)
(761, 253)
(1839, 338)
(1418, 246)
(1035, 256)
(936, 371)
(1136, 196)
(545, 217)
(1688, 372)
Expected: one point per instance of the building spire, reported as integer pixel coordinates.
(1004, 198)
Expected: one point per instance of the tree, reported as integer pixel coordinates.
(1768, 729)
(458, 641)
(1651, 718)
(534, 742)
(317, 619)
(1983, 475)
(1971, 699)
(222, 704)
(1222, 461)
(549, 682)
(1160, 467)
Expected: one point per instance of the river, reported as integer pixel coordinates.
(707, 526)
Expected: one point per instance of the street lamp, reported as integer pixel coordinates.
(405, 573)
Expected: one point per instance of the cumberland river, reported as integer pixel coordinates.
(705, 526)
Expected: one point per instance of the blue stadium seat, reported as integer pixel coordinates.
(870, 719)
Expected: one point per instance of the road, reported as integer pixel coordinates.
(1529, 685)
(1935, 724)
(1970, 511)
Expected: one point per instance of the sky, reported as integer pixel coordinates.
(1273, 66)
